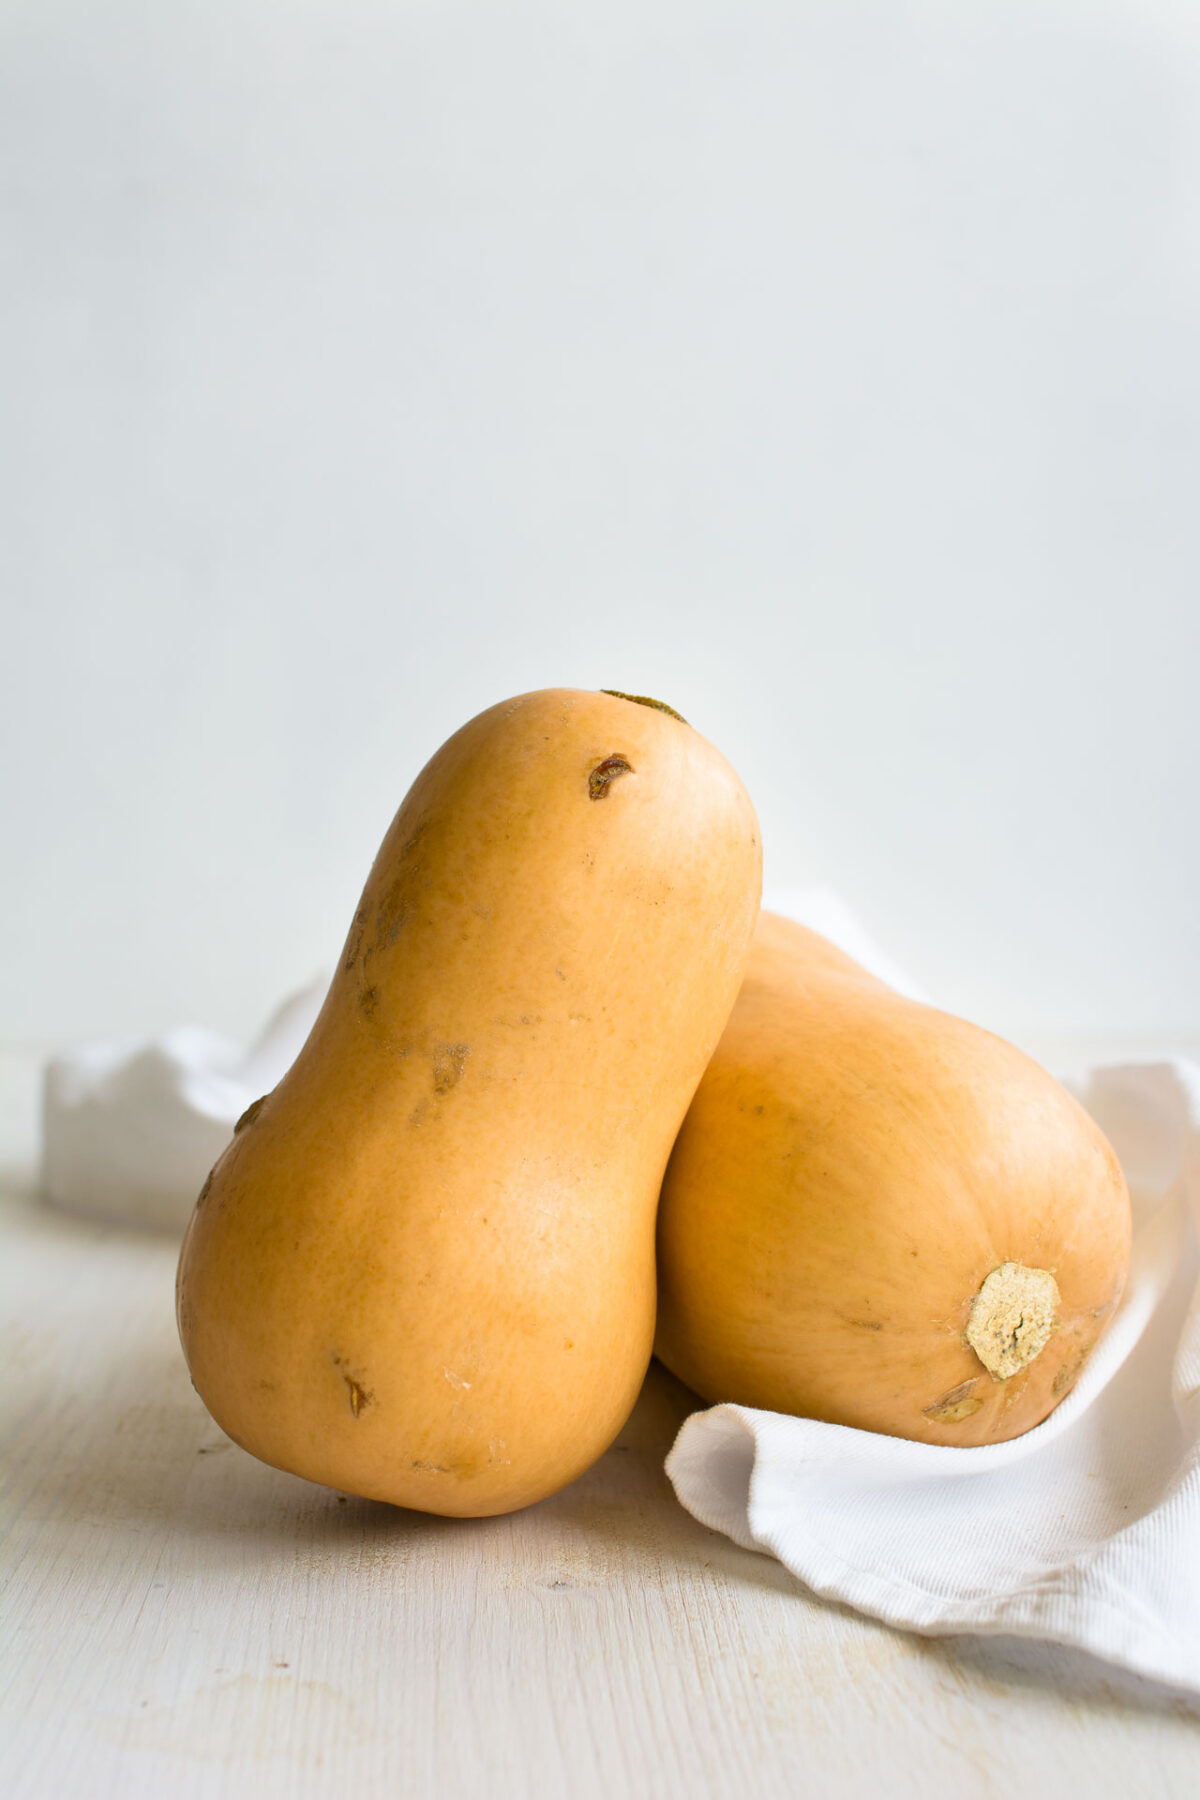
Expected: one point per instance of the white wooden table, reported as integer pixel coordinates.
(184, 1622)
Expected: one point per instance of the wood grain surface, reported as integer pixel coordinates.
(182, 1621)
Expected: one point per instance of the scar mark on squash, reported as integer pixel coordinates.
(605, 773)
(1068, 1375)
(354, 941)
(428, 1468)
(448, 1066)
(251, 1113)
(867, 1324)
(394, 911)
(208, 1181)
(369, 1000)
(645, 700)
(955, 1404)
(360, 1395)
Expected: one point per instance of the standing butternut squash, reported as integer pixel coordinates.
(423, 1271)
(881, 1216)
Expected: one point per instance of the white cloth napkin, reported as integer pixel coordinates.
(1085, 1530)
(130, 1130)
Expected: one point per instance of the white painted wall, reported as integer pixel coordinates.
(828, 367)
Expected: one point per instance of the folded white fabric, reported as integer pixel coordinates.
(1087, 1529)
(129, 1130)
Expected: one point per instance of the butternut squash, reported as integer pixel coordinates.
(423, 1271)
(881, 1216)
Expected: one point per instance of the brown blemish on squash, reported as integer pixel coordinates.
(360, 1395)
(1012, 1317)
(428, 1468)
(1110, 1305)
(1069, 1374)
(645, 700)
(369, 1000)
(394, 911)
(400, 898)
(251, 1113)
(448, 1066)
(414, 837)
(605, 773)
(955, 1404)
(208, 1181)
(354, 940)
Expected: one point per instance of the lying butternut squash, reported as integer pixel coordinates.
(424, 1269)
(881, 1216)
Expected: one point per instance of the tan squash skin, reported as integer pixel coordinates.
(851, 1170)
(424, 1269)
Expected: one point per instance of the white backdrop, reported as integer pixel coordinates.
(829, 368)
